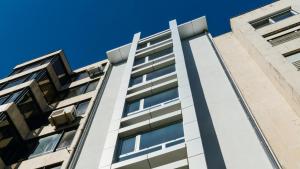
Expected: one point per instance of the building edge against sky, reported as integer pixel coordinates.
(176, 99)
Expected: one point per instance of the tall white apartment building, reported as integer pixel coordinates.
(169, 102)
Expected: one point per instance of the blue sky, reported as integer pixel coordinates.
(86, 29)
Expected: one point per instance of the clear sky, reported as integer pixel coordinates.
(86, 29)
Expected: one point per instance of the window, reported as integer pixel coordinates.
(160, 97)
(92, 86)
(78, 90)
(285, 38)
(153, 100)
(273, 19)
(45, 145)
(53, 142)
(294, 58)
(154, 41)
(80, 75)
(135, 80)
(66, 139)
(150, 141)
(152, 75)
(52, 166)
(160, 72)
(14, 82)
(153, 56)
(81, 107)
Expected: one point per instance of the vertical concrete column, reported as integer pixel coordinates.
(196, 157)
(112, 135)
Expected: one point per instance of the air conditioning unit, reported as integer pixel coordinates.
(62, 116)
(95, 71)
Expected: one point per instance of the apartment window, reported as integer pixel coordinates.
(53, 142)
(273, 18)
(78, 90)
(153, 100)
(152, 75)
(294, 58)
(135, 80)
(285, 38)
(150, 141)
(154, 41)
(80, 75)
(3, 99)
(81, 107)
(14, 82)
(31, 66)
(46, 144)
(153, 56)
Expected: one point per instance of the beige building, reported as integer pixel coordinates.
(45, 107)
(262, 54)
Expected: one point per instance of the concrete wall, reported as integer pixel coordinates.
(228, 137)
(92, 149)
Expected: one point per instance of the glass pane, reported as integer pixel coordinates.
(141, 45)
(160, 39)
(282, 16)
(14, 96)
(80, 75)
(132, 106)
(160, 72)
(47, 88)
(3, 98)
(135, 80)
(67, 139)
(92, 86)
(160, 53)
(139, 61)
(261, 23)
(46, 144)
(161, 135)
(127, 145)
(14, 82)
(160, 97)
(76, 91)
(81, 108)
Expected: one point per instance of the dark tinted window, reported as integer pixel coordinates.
(47, 87)
(14, 82)
(75, 91)
(60, 71)
(46, 144)
(282, 16)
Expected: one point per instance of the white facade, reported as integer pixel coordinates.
(172, 80)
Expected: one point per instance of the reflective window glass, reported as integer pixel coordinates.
(92, 86)
(80, 75)
(66, 139)
(160, 97)
(282, 16)
(139, 61)
(14, 82)
(60, 71)
(75, 91)
(127, 145)
(161, 135)
(135, 80)
(160, 72)
(160, 53)
(81, 108)
(46, 144)
(132, 106)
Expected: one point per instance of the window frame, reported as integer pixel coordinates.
(138, 151)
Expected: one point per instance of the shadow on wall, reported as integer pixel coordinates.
(213, 155)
